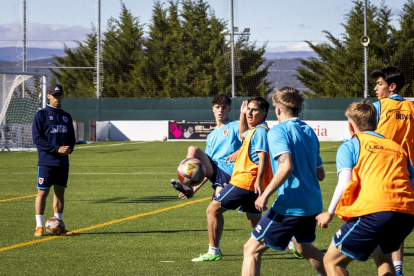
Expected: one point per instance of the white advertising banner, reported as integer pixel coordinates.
(159, 130)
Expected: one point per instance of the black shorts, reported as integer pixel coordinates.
(277, 230)
(232, 197)
(219, 177)
(48, 176)
(360, 236)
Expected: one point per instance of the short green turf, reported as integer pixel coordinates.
(129, 220)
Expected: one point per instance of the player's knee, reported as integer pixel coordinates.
(192, 151)
(213, 208)
(248, 248)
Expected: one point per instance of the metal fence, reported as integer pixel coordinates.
(35, 34)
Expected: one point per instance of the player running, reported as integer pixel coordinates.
(297, 168)
(373, 195)
(395, 118)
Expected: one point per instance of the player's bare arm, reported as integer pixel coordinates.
(243, 126)
(260, 172)
(282, 173)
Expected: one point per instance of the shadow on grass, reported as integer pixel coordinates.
(329, 162)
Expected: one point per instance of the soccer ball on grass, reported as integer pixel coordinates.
(55, 226)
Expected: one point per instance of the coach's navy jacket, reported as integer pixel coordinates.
(51, 129)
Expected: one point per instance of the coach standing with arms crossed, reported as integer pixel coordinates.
(54, 136)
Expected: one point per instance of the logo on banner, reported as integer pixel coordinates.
(65, 119)
(225, 132)
(41, 180)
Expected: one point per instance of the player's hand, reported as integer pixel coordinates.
(261, 203)
(323, 219)
(64, 150)
(232, 157)
(190, 193)
(243, 108)
(258, 188)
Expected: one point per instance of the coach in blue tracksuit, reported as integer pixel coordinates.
(54, 136)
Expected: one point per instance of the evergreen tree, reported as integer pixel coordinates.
(122, 50)
(404, 56)
(338, 71)
(77, 82)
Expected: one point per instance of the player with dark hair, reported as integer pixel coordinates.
(222, 147)
(395, 118)
(54, 136)
(221, 144)
(297, 170)
(374, 196)
(250, 175)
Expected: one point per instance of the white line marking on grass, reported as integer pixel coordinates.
(121, 144)
(105, 224)
(167, 261)
(91, 173)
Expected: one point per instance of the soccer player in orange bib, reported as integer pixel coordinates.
(373, 195)
(395, 118)
(250, 176)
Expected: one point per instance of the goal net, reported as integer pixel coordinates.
(22, 94)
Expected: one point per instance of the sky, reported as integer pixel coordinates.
(283, 25)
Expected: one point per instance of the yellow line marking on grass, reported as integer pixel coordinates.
(106, 224)
(28, 243)
(15, 198)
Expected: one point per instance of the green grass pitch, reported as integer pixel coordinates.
(129, 221)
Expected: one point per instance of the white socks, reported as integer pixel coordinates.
(397, 266)
(214, 250)
(39, 220)
(58, 215)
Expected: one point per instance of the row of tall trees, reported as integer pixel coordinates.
(338, 70)
(182, 55)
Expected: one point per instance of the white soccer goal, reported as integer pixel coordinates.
(22, 94)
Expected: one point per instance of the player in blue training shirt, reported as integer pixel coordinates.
(297, 168)
(221, 150)
(251, 174)
(54, 136)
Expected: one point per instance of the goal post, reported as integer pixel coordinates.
(22, 94)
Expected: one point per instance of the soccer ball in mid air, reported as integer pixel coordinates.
(54, 226)
(191, 172)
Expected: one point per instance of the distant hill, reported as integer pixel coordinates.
(281, 73)
(289, 55)
(17, 66)
(16, 53)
